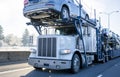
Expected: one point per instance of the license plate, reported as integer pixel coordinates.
(45, 64)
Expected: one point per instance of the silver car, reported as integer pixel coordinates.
(51, 9)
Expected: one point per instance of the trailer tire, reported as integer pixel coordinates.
(104, 60)
(75, 66)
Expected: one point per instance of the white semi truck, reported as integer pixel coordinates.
(63, 47)
(72, 44)
(60, 47)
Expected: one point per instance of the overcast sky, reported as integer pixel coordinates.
(11, 17)
(13, 21)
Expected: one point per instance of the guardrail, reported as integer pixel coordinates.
(14, 54)
(15, 48)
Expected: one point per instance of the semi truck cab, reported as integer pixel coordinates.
(61, 48)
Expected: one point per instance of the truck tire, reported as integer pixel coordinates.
(65, 15)
(38, 68)
(75, 67)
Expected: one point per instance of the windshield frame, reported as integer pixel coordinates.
(58, 31)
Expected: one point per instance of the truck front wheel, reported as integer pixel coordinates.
(38, 68)
(75, 67)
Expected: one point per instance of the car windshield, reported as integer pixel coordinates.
(66, 31)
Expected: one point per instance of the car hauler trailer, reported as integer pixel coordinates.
(69, 44)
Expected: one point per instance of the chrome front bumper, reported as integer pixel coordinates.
(49, 63)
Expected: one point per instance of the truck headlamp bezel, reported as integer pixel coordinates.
(65, 51)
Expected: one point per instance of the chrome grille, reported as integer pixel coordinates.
(47, 47)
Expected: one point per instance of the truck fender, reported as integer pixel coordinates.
(82, 60)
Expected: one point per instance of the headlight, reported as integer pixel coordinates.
(33, 51)
(64, 52)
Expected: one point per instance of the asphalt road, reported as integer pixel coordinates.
(109, 69)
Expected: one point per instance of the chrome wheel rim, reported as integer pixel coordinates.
(76, 64)
(65, 13)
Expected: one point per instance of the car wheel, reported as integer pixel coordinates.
(65, 15)
(86, 17)
(75, 67)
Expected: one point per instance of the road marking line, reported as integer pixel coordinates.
(100, 75)
(10, 71)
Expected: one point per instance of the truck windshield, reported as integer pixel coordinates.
(66, 31)
(59, 31)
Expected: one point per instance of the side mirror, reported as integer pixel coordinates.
(29, 23)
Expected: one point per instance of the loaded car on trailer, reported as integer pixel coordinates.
(49, 10)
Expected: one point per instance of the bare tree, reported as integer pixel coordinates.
(25, 38)
(12, 40)
(1, 36)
